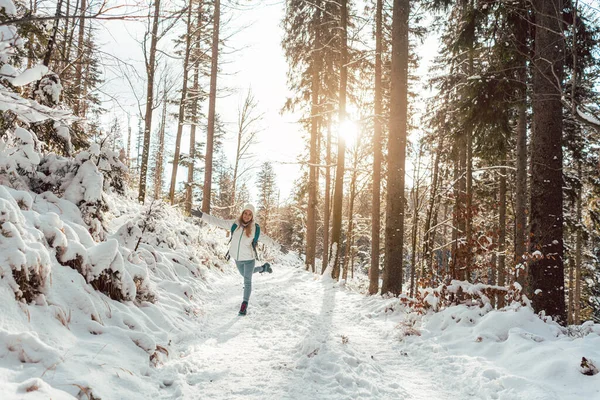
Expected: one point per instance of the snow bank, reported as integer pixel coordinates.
(527, 356)
(62, 335)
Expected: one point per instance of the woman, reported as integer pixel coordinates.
(242, 246)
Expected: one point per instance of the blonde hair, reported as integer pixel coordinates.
(248, 228)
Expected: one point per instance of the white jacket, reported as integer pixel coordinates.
(240, 246)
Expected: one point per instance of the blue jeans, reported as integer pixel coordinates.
(246, 269)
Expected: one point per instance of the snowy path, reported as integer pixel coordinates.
(306, 339)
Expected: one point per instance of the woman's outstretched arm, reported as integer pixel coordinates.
(221, 223)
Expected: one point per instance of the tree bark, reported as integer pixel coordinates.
(150, 70)
(79, 62)
(327, 205)
(350, 232)
(182, 103)
(521, 154)
(502, 232)
(377, 156)
(336, 230)
(394, 228)
(429, 233)
(578, 251)
(158, 169)
(212, 99)
(547, 271)
(189, 190)
(52, 40)
(311, 217)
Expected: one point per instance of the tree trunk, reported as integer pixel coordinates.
(578, 251)
(311, 217)
(182, 102)
(429, 233)
(521, 155)
(502, 232)
(212, 98)
(65, 40)
(413, 253)
(189, 190)
(377, 134)
(327, 206)
(547, 271)
(350, 232)
(415, 228)
(394, 229)
(79, 62)
(336, 230)
(150, 69)
(572, 289)
(128, 143)
(158, 171)
(52, 40)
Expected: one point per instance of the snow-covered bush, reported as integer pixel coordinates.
(24, 259)
(462, 292)
(19, 157)
(49, 90)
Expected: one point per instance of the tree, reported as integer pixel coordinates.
(248, 118)
(338, 193)
(182, 103)
(546, 237)
(197, 96)
(311, 217)
(398, 124)
(150, 70)
(377, 156)
(210, 134)
(267, 196)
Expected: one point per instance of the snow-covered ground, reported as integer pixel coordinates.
(305, 336)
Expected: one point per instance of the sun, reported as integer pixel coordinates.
(349, 132)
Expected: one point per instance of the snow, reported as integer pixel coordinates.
(305, 336)
(30, 75)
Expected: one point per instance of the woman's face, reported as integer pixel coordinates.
(247, 216)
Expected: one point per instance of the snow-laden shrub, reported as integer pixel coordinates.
(19, 157)
(24, 259)
(462, 292)
(81, 181)
(102, 266)
(49, 90)
(153, 227)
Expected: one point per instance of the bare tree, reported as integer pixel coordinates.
(247, 130)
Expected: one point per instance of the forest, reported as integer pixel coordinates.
(482, 170)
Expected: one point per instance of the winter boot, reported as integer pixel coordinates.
(243, 308)
(267, 268)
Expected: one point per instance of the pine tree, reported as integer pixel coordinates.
(268, 193)
(394, 228)
(547, 270)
